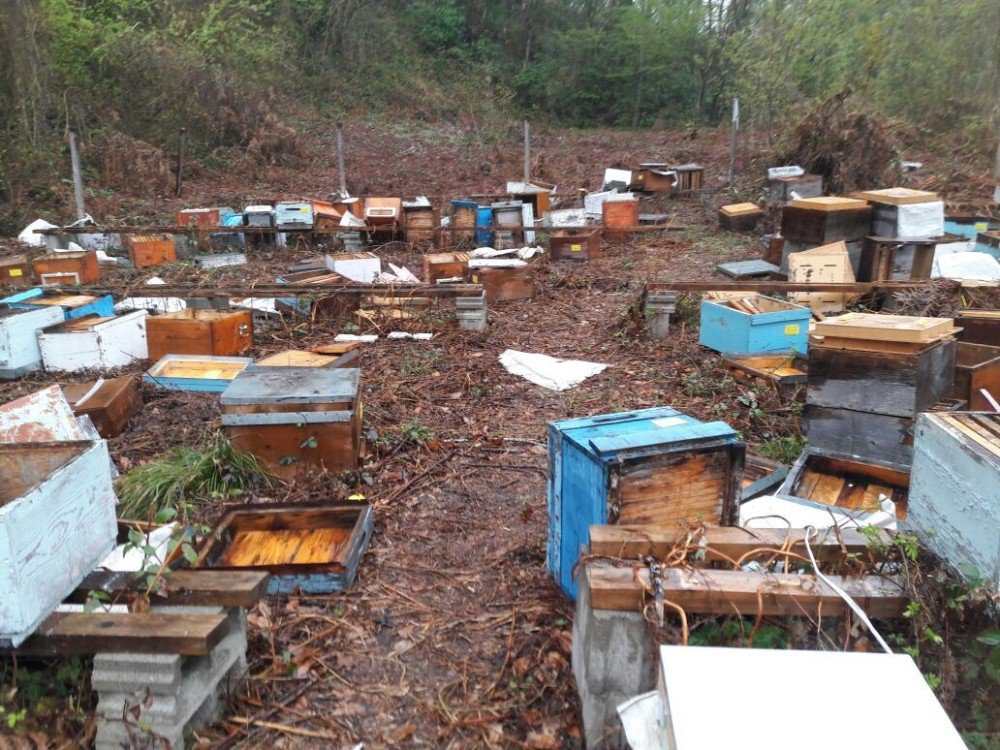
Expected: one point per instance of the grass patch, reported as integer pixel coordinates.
(785, 449)
(188, 475)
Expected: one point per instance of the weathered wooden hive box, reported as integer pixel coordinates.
(654, 177)
(977, 367)
(310, 277)
(502, 280)
(19, 352)
(979, 327)
(780, 327)
(740, 217)
(618, 215)
(689, 177)
(312, 548)
(421, 222)
(655, 466)
(110, 404)
(955, 489)
(94, 342)
(68, 268)
(72, 305)
(507, 217)
(57, 522)
(15, 270)
(439, 266)
(296, 419)
(464, 215)
(575, 245)
(150, 250)
(219, 333)
(785, 189)
(199, 373)
(811, 222)
(202, 218)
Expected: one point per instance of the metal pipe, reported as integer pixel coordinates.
(74, 157)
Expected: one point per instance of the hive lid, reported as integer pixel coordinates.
(741, 209)
(829, 203)
(290, 386)
(897, 196)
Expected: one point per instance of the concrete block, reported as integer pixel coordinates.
(614, 659)
(174, 694)
(471, 312)
(658, 308)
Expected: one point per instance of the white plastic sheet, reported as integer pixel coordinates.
(772, 512)
(549, 372)
(29, 235)
(966, 266)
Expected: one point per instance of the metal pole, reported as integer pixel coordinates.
(732, 142)
(340, 159)
(74, 157)
(181, 138)
(527, 152)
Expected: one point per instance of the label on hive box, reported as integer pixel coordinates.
(667, 421)
(791, 330)
(573, 248)
(16, 272)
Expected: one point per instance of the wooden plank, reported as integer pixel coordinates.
(725, 592)
(721, 542)
(208, 588)
(807, 484)
(874, 327)
(970, 432)
(827, 489)
(149, 633)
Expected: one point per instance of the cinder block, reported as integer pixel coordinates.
(174, 694)
(658, 309)
(471, 312)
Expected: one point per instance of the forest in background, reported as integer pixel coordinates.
(243, 75)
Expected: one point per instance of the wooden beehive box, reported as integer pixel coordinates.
(299, 358)
(740, 217)
(110, 404)
(690, 177)
(421, 223)
(503, 284)
(654, 178)
(825, 264)
(979, 327)
(727, 326)
(785, 189)
(309, 548)
(94, 343)
(72, 305)
(846, 482)
(976, 367)
(202, 218)
(68, 268)
(16, 271)
(445, 266)
(655, 466)
(219, 333)
(199, 373)
(574, 245)
(618, 216)
(150, 250)
(384, 215)
(296, 420)
(57, 522)
(19, 352)
(820, 221)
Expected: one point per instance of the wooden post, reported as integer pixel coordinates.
(181, 138)
(527, 152)
(340, 159)
(996, 175)
(74, 157)
(732, 141)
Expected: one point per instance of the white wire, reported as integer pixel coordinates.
(810, 530)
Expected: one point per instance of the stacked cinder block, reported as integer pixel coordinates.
(471, 312)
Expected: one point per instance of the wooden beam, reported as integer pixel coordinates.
(284, 290)
(723, 592)
(153, 229)
(782, 286)
(202, 588)
(150, 633)
(631, 542)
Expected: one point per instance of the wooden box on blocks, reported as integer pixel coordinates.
(732, 326)
(15, 271)
(503, 284)
(57, 522)
(296, 420)
(110, 404)
(439, 266)
(220, 333)
(94, 343)
(151, 250)
(68, 268)
(655, 466)
(740, 217)
(573, 245)
(199, 373)
(313, 548)
(421, 223)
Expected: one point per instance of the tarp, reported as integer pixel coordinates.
(549, 372)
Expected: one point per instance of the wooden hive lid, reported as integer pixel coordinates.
(829, 203)
(873, 327)
(897, 196)
(741, 209)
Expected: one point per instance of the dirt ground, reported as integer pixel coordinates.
(454, 635)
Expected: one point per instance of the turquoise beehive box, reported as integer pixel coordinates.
(781, 327)
(654, 466)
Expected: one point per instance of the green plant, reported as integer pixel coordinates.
(188, 475)
(415, 433)
(785, 449)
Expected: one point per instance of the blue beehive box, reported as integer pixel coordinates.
(780, 327)
(73, 305)
(655, 466)
(484, 220)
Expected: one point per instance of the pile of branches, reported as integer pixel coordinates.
(851, 149)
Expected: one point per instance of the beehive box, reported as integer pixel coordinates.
(299, 358)
(72, 305)
(785, 189)
(421, 223)
(655, 466)
(16, 271)
(617, 216)
(820, 221)
(780, 327)
(979, 327)
(294, 215)
(740, 217)
(197, 373)
(110, 404)
(690, 177)
(654, 178)
(575, 245)
(202, 218)
(310, 548)
(67, 268)
(977, 367)
(219, 333)
(445, 266)
(19, 352)
(94, 342)
(825, 264)
(503, 284)
(296, 420)
(151, 250)
(57, 522)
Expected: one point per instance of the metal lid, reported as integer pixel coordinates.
(310, 385)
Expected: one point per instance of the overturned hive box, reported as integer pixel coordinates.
(93, 342)
(219, 333)
(19, 351)
(296, 419)
(110, 404)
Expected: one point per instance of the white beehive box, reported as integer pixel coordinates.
(57, 522)
(94, 343)
(19, 352)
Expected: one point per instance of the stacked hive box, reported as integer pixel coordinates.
(869, 377)
(902, 213)
(812, 222)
